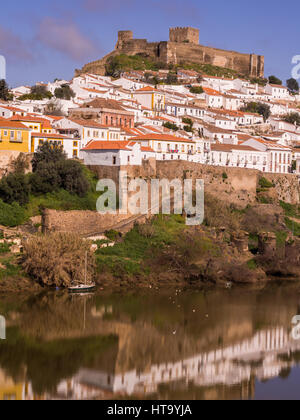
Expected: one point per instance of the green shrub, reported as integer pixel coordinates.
(53, 171)
(293, 226)
(224, 175)
(281, 238)
(112, 235)
(15, 188)
(252, 265)
(264, 183)
(12, 214)
(197, 90)
(4, 248)
(171, 126)
(291, 210)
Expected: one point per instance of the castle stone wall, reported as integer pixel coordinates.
(183, 47)
(185, 35)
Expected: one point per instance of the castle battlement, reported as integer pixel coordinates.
(185, 35)
(183, 47)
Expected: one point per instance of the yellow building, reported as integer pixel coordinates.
(70, 145)
(14, 136)
(9, 389)
(36, 124)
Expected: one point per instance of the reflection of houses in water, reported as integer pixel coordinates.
(11, 390)
(239, 364)
(257, 357)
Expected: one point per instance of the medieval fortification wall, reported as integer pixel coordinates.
(183, 47)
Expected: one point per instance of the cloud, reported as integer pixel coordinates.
(66, 38)
(13, 47)
(177, 8)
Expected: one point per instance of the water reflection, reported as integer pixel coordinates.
(175, 345)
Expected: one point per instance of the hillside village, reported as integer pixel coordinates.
(119, 122)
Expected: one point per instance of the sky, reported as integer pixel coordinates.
(43, 40)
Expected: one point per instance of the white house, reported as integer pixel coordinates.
(279, 156)
(184, 110)
(238, 156)
(150, 98)
(168, 147)
(277, 91)
(87, 130)
(214, 99)
(114, 153)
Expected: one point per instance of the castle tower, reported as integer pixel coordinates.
(123, 37)
(186, 35)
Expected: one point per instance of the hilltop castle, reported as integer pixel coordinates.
(183, 47)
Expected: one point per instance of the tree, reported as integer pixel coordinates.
(293, 118)
(53, 171)
(54, 108)
(4, 91)
(273, 80)
(171, 126)
(72, 177)
(37, 93)
(198, 90)
(20, 165)
(258, 108)
(46, 179)
(292, 85)
(47, 154)
(172, 79)
(14, 188)
(64, 92)
(265, 111)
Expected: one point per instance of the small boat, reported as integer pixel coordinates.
(83, 288)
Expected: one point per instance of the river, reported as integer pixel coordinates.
(157, 344)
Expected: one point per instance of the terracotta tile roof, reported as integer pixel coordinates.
(87, 123)
(278, 86)
(147, 149)
(13, 124)
(52, 136)
(271, 144)
(94, 90)
(108, 145)
(146, 89)
(105, 103)
(212, 92)
(162, 137)
(231, 147)
(12, 108)
(29, 118)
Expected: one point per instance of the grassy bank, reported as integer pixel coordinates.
(125, 63)
(129, 256)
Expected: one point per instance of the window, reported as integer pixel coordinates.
(19, 136)
(5, 133)
(75, 144)
(114, 160)
(12, 135)
(75, 153)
